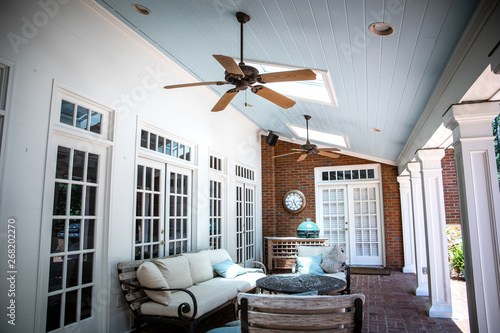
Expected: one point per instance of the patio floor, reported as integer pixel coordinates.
(390, 306)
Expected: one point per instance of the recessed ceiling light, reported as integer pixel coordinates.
(374, 129)
(381, 29)
(141, 9)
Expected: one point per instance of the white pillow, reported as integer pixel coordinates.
(200, 266)
(176, 271)
(150, 276)
(334, 260)
(218, 256)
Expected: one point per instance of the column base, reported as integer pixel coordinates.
(409, 269)
(422, 290)
(439, 311)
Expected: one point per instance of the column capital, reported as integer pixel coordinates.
(414, 169)
(404, 181)
(473, 119)
(430, 158)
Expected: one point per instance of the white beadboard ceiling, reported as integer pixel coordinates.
(379, 82)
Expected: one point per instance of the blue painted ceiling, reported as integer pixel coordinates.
(379, 82)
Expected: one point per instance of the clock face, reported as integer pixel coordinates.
(294, 201)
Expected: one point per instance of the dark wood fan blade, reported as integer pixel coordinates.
(273, 96)
(297, 152)
(327, 149)
(225, 100)
(327, 154)
(302, 157)
(229, 64)
(298, 75)
(219, 83)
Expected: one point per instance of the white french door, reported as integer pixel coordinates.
(350, 217)
(178, 209)
(75, 265)
(245, 222)
(162, 210)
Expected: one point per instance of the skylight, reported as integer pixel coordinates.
(328, 138)
(317, 91)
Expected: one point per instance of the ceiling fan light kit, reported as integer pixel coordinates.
(244, 77)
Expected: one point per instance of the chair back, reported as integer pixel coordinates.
(282, 313)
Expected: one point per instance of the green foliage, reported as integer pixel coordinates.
(496, 133)
(455, 250)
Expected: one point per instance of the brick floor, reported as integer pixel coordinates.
(391, 306)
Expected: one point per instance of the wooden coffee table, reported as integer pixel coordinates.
(299, 283)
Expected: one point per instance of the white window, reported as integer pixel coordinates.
(217, 201)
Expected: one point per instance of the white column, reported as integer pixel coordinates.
(479, 209)
(419, 230)
(438, 267)
(407, 219)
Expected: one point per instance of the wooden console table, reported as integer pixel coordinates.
(282, 248)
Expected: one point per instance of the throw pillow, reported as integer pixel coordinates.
(310, 265)
(229, 269)
(199, 266)
(176, 271)
(334, 260)
(150, 276)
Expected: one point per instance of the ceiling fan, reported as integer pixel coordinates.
(311, 149)
(244, 77)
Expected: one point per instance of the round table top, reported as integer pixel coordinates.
(299, 283)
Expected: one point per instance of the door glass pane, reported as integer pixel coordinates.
(88, 240)
(62, 169)
(87, 267)
(74, 235)
(55, 273)
(60, 197)
(57, 242)
(92, 168)
(76, 200)
(53, 312)
(86, 303)
(72, 271)
(70, 307)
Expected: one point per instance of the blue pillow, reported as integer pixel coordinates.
(310, 265)
(229, 269)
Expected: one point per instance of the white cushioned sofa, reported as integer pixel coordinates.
(184, 289)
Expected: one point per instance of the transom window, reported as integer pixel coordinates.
(163, 145)
(245, 173)
(349, 174)
(80, 117)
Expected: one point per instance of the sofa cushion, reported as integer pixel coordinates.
(338, 275)
(176, 271)
(229, 269)
(334, 260)
(200, 266)
(149, 275)
(310, 265)
(219, 255)
(308, 251)
(207, 299)
(242, 283)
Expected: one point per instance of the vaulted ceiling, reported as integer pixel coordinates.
(379, 82)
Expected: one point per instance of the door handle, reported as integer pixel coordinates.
(162, 242)
(346, 228)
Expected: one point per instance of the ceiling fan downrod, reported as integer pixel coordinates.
(307, 128)
(242, 18)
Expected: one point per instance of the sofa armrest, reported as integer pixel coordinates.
(347, 269)
(183, 307)
(258, 263)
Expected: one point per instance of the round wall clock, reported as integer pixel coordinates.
(294, 201)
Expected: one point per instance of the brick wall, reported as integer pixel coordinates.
(450, 189)
(290, 174)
